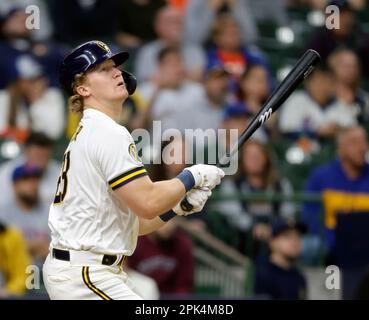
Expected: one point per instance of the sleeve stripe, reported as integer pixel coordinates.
(125, 174)
(129, 180)
(128, 177)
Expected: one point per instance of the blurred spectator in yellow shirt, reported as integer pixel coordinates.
(14, 260)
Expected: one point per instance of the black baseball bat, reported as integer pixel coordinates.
(301, 70)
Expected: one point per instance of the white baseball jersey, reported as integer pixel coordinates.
(85, 215)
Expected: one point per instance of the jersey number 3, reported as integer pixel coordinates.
(62, 186)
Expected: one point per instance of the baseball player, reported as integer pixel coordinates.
(104, 198)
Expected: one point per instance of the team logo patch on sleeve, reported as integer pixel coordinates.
(133, 152)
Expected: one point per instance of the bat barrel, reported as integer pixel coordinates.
(301, 70)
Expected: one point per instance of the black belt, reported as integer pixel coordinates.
(107, 259)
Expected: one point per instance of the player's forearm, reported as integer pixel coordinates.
(148, 199)
(163, 196)
(147, 226)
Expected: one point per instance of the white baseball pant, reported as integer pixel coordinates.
(74, 280)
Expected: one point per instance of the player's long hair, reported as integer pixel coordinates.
(75, 101)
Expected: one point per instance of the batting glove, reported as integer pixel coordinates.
(206, 176)
(197, 198)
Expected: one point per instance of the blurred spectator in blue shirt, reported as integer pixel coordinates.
(343, 184)
(168, 26)
(201, 14)
(341, 221)
(16, 40)
(29, 104)
(229, 51)
(37, 151)
(277, 277)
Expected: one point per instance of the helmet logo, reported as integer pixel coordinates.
(103, 46)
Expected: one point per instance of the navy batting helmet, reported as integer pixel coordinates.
(88, 55)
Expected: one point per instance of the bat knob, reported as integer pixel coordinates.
(186, 206)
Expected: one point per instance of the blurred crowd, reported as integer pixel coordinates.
(202, 64)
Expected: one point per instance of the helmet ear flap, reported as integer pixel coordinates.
(130, 81)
